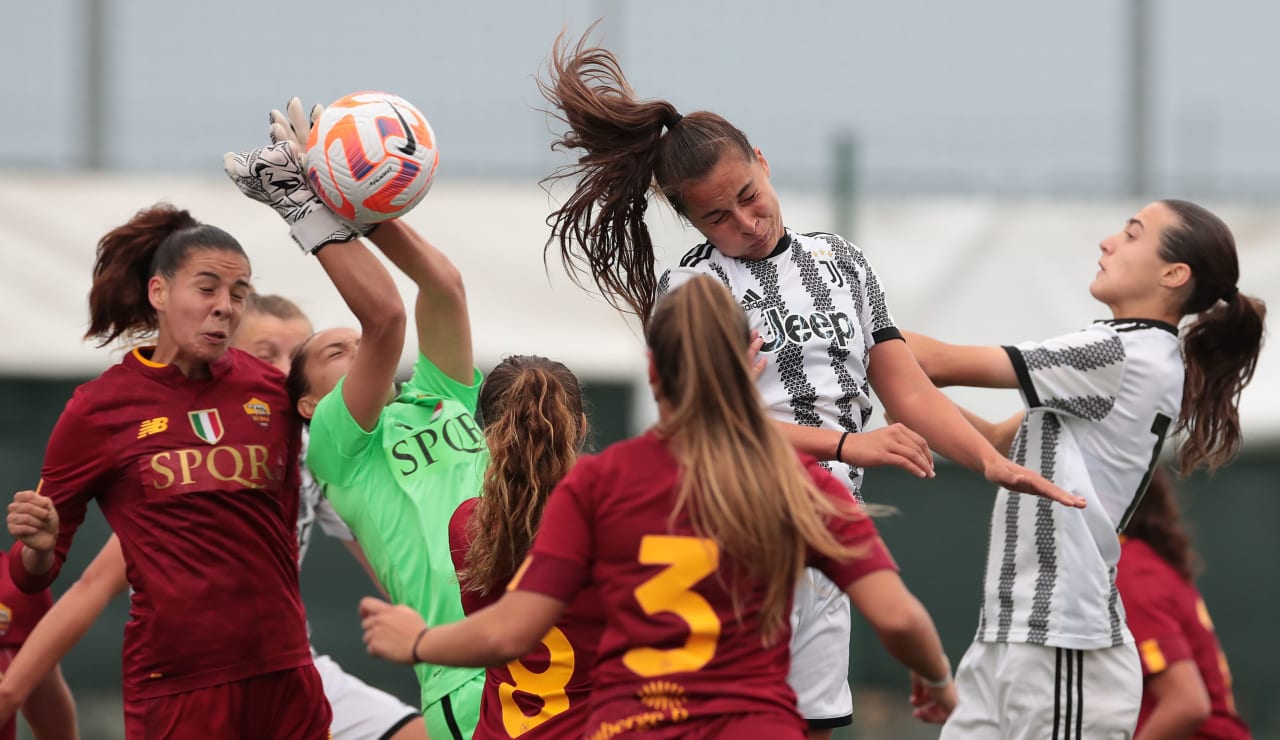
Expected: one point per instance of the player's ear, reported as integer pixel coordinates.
(158, 292)
(764, 163)
(307, 407)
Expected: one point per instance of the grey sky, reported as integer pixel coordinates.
(1000, 96)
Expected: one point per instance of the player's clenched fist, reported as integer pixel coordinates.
(33, 520)
(391, 632)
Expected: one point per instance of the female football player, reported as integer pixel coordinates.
(1053, 654)
(694, 534)
(814, 297)
(272, 328)
(190, 449)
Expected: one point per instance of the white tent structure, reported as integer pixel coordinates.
(985, 271)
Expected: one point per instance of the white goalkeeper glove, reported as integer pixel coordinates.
(274, 175)
(294, 125)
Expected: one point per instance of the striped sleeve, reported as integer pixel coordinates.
(1078, 374)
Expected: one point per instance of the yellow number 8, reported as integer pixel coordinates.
(689, 560)
(547, 685)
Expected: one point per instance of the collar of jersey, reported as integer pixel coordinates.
(140, 357)
(1148, 323)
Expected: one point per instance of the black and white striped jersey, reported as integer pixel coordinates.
(820, 309)
(1100, 403)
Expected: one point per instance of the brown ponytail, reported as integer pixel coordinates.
(1221, 346)
(156, 241)
(628, 145)
(741, 484)
(531, 408)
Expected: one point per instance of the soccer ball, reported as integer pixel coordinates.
(371, 157)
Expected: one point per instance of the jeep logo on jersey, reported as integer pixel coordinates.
(223, 468)
(801, 328)
(422, 450)
(207, 425)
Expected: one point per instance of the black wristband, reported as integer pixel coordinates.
(414, 652)
(840, 447)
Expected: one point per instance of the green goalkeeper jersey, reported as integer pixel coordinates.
(396, 488)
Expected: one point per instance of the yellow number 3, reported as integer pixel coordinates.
(689, 560)
(548, 685)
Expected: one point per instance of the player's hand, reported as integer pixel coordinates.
(754, 360)
(1021, 480)
(294, 125)
(390, 631)
(932, 704)
(892, 445)
(274, 175)
(33, 521)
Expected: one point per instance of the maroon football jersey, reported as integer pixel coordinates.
(198, 478)
(19, 611)
(674, 655)
(544, 694)
(1169, 622)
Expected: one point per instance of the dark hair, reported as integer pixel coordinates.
(156, 241)
(741, 482)
(1222, 345)
(601, 229)
(278, 306)
(1158, 522)
(533, 425)
(296, 383)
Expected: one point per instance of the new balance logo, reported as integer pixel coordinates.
(751, 299)
(153, 426)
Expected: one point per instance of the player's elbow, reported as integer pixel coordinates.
(900, 622)
(385, 317)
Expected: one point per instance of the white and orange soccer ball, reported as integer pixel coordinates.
(371, 157)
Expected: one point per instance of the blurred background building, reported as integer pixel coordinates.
(976, 151)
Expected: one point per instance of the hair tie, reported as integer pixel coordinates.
(1231, 294)
(673, 120)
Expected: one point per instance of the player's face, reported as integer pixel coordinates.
(200, 307)
(1131, 269)
(271, 338)
(329, 356)
(735, 208)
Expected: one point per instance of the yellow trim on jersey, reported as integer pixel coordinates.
(1152, 658)
(515, 580)
(137, 354)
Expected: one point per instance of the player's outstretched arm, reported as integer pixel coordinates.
(910, 397)
(51, 710)
(368, 290)
(274, 175)
(908, 634)
(63, 626)
(440, 311)
(497, 634)
(955, 364)
(999, 433)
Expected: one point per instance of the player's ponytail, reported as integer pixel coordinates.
(742, 484)
(532, 412)
(156, 241)
(1221, 346)
(628, 146)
